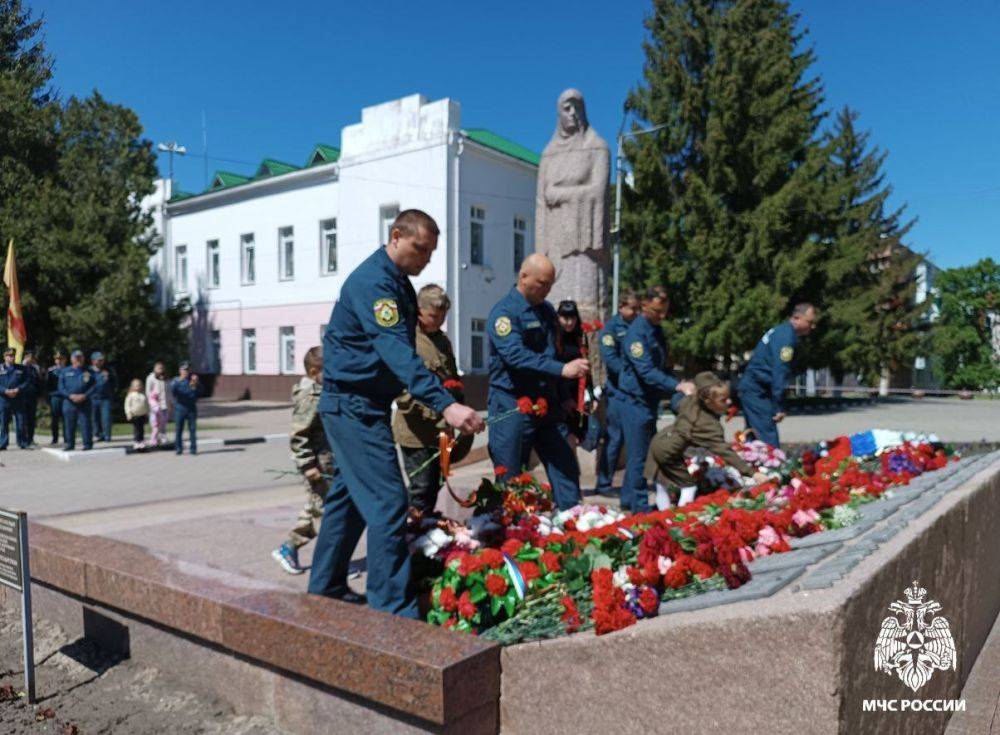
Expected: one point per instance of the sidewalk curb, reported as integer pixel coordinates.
(113, 452)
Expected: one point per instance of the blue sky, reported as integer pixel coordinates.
(275, 78)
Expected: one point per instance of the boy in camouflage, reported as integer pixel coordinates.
(313, 459)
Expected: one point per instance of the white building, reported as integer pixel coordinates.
(262, 257)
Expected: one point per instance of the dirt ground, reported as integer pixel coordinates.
(83, 690)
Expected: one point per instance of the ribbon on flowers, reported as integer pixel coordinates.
(520, 587)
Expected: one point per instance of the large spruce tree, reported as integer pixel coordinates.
(872, 323)
(72, 175)
(725, 198)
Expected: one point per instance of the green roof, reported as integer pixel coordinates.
(178, 195)
(271, 167)
(491, 140)
(225, 179)
(323, 153)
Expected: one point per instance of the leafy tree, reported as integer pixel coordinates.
(966, 337)
(726, 196)
(871, 321)
(72, 175)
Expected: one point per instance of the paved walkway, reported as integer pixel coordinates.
(223, 509)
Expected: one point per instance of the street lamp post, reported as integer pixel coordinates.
(168, 191)
(617, 232)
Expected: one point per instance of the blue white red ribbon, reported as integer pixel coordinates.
(515, 577)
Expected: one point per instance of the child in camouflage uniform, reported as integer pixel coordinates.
(313, 459)
(699, 425)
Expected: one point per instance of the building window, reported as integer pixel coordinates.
(215, 355)
(248, 259)
(286, 254)
(476, 234)
(249, 351)
(328, 246)
(212, 266)
(181, 269)
(478, 344)
(520, 237)
(287, 345)
(386, 216)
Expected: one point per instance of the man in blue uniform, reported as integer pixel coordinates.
(76, 383)
(611, 353)
(184, 390)
(11, 385)
(522, 328)
(28, 399)
(762, 387)
(368, 359)
(55, 397)
(101, 400)
(645, 381)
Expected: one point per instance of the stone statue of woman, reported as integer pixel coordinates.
(571, 208)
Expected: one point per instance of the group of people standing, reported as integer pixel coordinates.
(83, 395)
(384, 344)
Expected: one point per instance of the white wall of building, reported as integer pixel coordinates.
(408, 153)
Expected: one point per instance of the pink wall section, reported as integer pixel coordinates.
(307, 319)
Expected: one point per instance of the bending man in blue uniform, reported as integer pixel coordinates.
(522, 328)
(611, 352)
(645, 381)
(368, 359)
(76, 383)
(762, 387)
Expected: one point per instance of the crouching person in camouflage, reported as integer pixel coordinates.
(415, 427)
(313, 459)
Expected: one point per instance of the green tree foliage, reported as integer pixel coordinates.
(965, 337)
(726, 197)
(871, 320)
(72, 175)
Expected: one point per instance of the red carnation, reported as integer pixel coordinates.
(530, 571)
(571, 614)
(541, 407)
(496, 585)
(676, 576)
(492, 558)
(524, 405)
(470, 564)
(649, 601)
(511, 546)
(499, 470)
(453, 384)
(447, 599)
(551, 561)
(466, 608)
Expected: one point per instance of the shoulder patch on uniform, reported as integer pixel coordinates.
(608, 340)
(502, 326)
(386, 312)
(636, 349)
(787, 353)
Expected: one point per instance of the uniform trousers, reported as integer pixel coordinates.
(72, 412)
(9, 410)
(610, 449)
(638, 426)
(759, 410)
(100, 411)
(56, 409)
(511, 442)
(184, 415)
(28, 406)
(367, 490)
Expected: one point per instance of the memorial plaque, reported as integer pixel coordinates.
(10, 549)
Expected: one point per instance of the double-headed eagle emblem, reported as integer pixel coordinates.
(911, 646)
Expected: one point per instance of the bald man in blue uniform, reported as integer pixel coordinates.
(369, 358)
(762, 387)
(522, 328)
(645, 381)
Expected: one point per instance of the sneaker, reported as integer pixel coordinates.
(288, 558)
